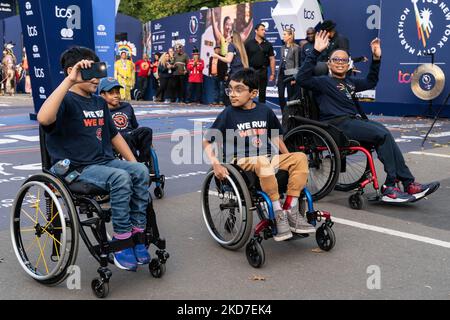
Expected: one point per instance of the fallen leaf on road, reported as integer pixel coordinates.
(257, 278)
(2, 260)
(428, 287)
(317, 250)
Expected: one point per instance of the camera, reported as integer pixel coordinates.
(98, 70)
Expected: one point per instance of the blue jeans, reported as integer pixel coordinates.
(219, 90)
(127, 184)
(374, 133)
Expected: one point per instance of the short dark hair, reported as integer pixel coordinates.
(259, 25)
(332, 52)
(72, 56)
(247, 77)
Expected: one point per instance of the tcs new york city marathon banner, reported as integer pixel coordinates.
(52, 26)
(412, 31)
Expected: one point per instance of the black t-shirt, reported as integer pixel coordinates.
(245, 133)
(259, 53)
(82, 132)
(124, 118)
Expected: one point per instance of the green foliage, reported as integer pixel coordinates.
(146, 10)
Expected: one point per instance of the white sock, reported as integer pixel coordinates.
(276, 205)
(294, 202)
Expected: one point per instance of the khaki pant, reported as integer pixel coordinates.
(294, 163)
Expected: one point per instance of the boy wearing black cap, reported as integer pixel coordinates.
(138, 139)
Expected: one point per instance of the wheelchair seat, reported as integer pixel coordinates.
(87, 189)
(282, 178)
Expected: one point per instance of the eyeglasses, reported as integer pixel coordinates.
(237, 91)
(340, 60)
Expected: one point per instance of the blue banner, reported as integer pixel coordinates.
(35, 44)
(7, 8)
(104, 31)
(413, 31)
(49, 28)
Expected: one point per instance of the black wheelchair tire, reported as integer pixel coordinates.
(333, 177)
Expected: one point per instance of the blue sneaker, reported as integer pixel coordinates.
(141, 254)
(125, 259)
(392, 194)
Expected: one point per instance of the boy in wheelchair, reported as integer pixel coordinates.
(335, 94)
(249, 128)
(139, 139)
(79, 127)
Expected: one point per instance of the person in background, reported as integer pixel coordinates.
(308, 47)
(218, 72)
(180, 72)
(236, 58)
(165, 72)
(124, 73)
(337, 41)
(195, 87)
(155, 75)
(143, 68)
(288, 67)
(260, 56)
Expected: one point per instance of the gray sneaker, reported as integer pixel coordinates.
(283, 230)
(298, 223)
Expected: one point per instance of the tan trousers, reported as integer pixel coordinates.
(294, 163)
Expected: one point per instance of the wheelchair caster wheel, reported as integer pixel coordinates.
(357, 201)
(325, 238)
(100, 288)
(255, 254)
(159, 192)
(157, 269)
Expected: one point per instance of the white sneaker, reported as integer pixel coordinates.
(283, 230)
(298, 223)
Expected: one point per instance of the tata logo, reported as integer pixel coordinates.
(101, 30)
(36, 53)
(42, 94)
(175, 34)
(158, 26)
(41, 90)
(309, 15)
(266, 25)
(404, 77)
(39, 73)
(28, 10)
(429, 30)
(193, 25)
(32, 31)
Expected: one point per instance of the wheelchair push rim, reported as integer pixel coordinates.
(225, 211)
(323, 157)
(39, 222)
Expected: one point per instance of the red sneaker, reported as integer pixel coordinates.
(420, 191)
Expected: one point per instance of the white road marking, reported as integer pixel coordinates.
(395, 233)
(439, 135)
(8, 141)
(24, 138)
(430, 154)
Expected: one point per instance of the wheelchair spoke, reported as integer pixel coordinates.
(26, 213)
(42, 255)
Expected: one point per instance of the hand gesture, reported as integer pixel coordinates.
(376, 49)
(322, 41)
(75, 74)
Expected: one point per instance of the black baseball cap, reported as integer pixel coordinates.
(328, 25)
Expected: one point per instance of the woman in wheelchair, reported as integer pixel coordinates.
(79, 127)
(335, 95)
(249, 128)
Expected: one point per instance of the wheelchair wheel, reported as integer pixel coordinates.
(226, 209)
(357, 168)
(100, 288)
(325, 238)
(323, 156)
(44, 229)
(255, 254)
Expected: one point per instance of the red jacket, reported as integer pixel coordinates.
(196, 72)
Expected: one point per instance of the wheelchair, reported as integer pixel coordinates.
(335, 161)
(155, 175)
(48, 218)
(228, 207)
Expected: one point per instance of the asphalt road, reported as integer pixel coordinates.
(409, 245)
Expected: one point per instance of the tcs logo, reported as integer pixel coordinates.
(63, 13)
(404, 77)
(309, 15)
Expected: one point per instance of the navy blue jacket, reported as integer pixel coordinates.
(334, 96)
